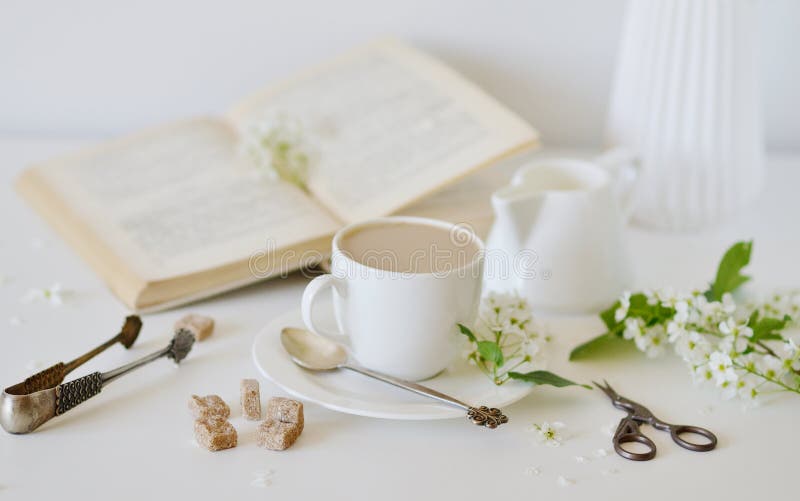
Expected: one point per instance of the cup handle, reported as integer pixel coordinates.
(310, 294)
(624, 167)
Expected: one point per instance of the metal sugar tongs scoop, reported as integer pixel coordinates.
(55, 374)
(22, 411)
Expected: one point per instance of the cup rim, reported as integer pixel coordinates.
(425, 221)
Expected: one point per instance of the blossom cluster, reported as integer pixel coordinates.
(506, 337)
(278, 147)
(744, 349)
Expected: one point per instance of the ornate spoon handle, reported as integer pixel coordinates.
(482, 416)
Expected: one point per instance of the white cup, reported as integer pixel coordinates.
(401, 317)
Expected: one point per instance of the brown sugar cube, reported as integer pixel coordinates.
(215, 433)
(251, 399)
(277, 436)
(200, 326)
(285, 410)
(208, 406)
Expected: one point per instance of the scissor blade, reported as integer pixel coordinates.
(607, 389)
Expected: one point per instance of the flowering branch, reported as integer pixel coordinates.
(506, 342)
(743, 349)
(277, 146)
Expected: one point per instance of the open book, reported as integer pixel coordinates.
(177, 213)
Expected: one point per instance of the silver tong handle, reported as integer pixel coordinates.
(68, 395)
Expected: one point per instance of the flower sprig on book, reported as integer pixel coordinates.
(505, 341)
(278, 147)
(744, 349)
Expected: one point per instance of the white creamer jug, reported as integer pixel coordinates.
(557, 237)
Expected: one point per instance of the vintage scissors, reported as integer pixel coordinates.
(628, 429)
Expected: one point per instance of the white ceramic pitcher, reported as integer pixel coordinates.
(557, 237)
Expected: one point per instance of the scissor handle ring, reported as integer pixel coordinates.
(627, 438)
(676, 430)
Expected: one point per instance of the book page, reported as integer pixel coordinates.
(388, 124)
(178, 200)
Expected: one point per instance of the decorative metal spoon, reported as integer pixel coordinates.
(23, 412)
(316, 353)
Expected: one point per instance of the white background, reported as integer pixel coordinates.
(90, 69)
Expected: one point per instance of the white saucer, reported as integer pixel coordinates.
(345, 391)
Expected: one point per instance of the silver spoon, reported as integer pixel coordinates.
(316, 353)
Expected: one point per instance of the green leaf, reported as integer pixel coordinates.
(729, 276)
(467, 332)
(608, 343)
(490, 351)
(591, 346)
(607, 316)
(767, 328)
(753, 320)
(545, 377)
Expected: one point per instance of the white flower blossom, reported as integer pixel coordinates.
(279, 149)
(53, 295)
(624, 305)
(770, 366)
(532, 471)
(791, 355)
(548, 433)
(565, 481)
(665, 296)
(733, 344)
(702, 373)
(675, 331)
(681, 312)
(633, 328)
(731, 328)
(747, 387)
(729, 389)
(652, 341)
(601, 453)
(722, 368)
(693, 347)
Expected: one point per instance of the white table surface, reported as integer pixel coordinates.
(135, 440)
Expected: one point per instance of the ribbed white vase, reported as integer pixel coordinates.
(686, 99)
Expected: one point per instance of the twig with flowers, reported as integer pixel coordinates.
(744, 349)
(278, 147)
(505, 342)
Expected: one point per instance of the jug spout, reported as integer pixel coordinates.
(516, 210)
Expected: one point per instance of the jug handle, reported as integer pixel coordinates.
(624, 168)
